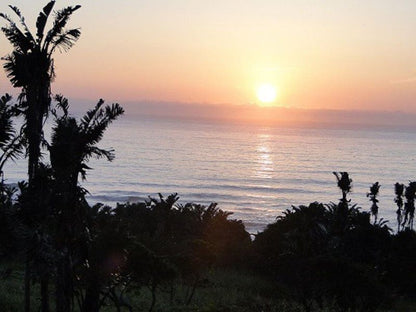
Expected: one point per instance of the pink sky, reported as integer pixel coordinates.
(348, 55)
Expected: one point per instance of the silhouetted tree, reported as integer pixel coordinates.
(409, 206)
(104, 256)
(344, 183)
(401, 271)
(35, 213)
(11, 143)
(11, 148)
(30, 67)
(374, 189)
(73, 144)
(342, 210)
(327, 253)
(398, 190)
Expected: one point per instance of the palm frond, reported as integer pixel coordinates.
(61, 19)
(62, 103)
(11, 70)
(91, 115)
(100, 121)
(22, 21)
(5, 99)
(6, 123)
(66, 40)
(73, 142)
(12, 151)
(15, 36)
(42, 19)
(114, 111)
(93, 151)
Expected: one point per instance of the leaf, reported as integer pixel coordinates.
(15, 36)
(66, 40)
(22, 21)
(42, 19)
(61, 19)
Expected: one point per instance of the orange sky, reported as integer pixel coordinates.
(320, 54)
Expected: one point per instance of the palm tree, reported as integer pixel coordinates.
(374, 189)
(31, 67)
(11, 148)
(11, 143)
(409, 206)
(73, 144)
(399, 189)
(344, 183)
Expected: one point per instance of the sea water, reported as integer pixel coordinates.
(256, 172)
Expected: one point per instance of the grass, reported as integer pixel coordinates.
(219, 291)
(12, 288)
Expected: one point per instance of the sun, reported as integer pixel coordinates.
(266, 93)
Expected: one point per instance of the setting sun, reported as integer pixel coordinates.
(266, 93)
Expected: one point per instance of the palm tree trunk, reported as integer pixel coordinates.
(33, 130)
(27, 284)
(59, 286)
(64, 235)
(30, 97)
(44, 290)
(63, 288)
(153, 290)
(37, 98)
(195, 284)
(92, 294)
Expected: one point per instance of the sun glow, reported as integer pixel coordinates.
(266, 93)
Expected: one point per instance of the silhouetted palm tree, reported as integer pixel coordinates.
(11, 144)
(34, 211)
(30, 67)
(344, 183)
(399, 189)
(374, 189)
(73, 144)
(409, 206)
(11, 148)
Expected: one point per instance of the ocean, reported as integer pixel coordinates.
(253, 171)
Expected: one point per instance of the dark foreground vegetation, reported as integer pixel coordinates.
(58, 253)
(163, 256)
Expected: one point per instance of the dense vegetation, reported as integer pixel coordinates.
(59, 253)
(159, 255)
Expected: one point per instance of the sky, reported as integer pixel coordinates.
(321, 55)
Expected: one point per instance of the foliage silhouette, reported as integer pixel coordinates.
(11, 148)
(31, 67)
(99, 255)
(153, 244)
(329, 252)
(73, 144)
(400, 272)
(409, 206)
(344, 183)
(374, 189)
(399, 190)
(11, 143)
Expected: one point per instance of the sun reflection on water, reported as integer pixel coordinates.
(264, 161)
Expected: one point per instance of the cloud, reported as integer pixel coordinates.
(273, 69)
(275, 116)
(405, 80)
